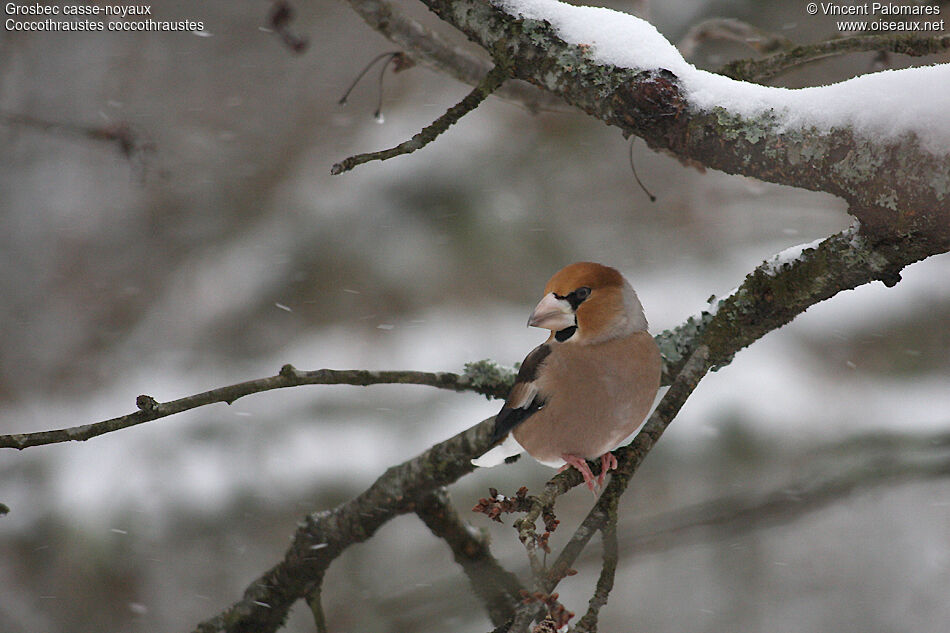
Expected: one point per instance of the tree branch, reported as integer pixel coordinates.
(874, 461)
(769, 297)
(431, 49)
(750, 312)
(323, 536)
(495, 77)
(497, 588)
(761, 70)
(893, 185)
(608, 570)
(493, 383)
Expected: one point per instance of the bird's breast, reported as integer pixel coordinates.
(595, 396)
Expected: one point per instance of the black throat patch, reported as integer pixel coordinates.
(562, 335)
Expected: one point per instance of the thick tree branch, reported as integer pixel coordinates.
(893, 186)
(323, 536)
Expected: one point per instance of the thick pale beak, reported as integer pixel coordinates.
(552, 313)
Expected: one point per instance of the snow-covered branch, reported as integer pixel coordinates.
(871, 140)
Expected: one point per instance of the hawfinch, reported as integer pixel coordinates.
(590, 385)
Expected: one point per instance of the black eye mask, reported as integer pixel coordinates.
(575, 298)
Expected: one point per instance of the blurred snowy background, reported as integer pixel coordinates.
(229, 250)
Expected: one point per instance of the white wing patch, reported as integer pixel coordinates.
(497, 455)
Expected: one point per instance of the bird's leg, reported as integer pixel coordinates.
(581, 465)
(607, 462)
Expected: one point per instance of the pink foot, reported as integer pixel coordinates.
(581, 465)
(607, 463)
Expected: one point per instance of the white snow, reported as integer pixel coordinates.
(881, 105)
(789, 255)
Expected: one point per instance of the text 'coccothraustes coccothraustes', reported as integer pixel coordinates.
(590, 385)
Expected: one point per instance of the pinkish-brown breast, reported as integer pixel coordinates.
(596, 395)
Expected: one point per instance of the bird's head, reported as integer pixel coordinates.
(588, 302)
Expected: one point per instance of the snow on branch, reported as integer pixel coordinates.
(881, 106)
(880, 141)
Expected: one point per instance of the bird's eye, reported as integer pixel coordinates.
(582, 293)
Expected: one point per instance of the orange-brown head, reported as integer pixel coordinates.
(586, 303)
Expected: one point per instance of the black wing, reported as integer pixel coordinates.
(524, 399)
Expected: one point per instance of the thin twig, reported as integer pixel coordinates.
(489, 84)
(289, 376)
(428, 47)
(608, 570)
(768, 67)
(362, 73)
(316, 608)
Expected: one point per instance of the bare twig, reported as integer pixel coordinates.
(316, 609)
(431, 49)
(289, 376)
(760, 70)
(608, 570)
(489, 84)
